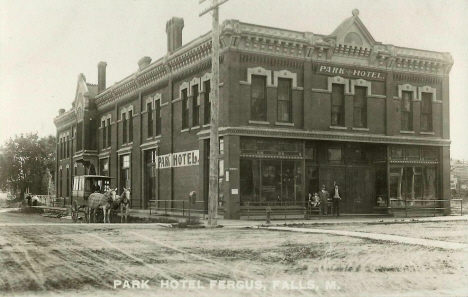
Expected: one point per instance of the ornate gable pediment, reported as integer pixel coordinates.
(82, 94)
(353, 32)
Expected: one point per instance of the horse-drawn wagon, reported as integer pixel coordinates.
(92, 196)
(83, 187)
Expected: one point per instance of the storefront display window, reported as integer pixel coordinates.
(413, 184)
(274, 182)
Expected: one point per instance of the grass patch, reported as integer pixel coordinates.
(29, 210)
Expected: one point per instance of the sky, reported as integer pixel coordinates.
(46, 44)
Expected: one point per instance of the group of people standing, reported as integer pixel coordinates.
(320, 199)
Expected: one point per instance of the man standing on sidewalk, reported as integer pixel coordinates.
(336, 201)
(324, 195)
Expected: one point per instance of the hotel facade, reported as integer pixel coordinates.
(297, 110)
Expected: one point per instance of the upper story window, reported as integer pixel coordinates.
(337, 105)
(109, 132)
(130, 126)
(124, 127)
(158, 116)
(207, 102)
(185, 109)
(258, 98)
(360, 107)
(104, 133)
(284, 100)
(126, 116)
(407, 111)
(68, 146)
(426, 112)
(195, 106)
(221, 146)
(104, 167)
(149, 108)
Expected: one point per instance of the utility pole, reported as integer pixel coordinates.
(214, 96)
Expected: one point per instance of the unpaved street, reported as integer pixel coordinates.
(87, 260)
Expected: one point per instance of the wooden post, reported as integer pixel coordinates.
(214, 96)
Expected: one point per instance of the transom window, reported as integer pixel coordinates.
(335, 155)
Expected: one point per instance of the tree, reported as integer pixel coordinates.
(24, 162)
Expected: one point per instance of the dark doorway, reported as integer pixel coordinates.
(361, 198)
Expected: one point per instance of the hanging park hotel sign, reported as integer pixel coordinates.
(351, 72)
(181, 159)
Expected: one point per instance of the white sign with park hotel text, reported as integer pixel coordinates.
(182, 159)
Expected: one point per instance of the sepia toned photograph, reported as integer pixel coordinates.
(233, 148)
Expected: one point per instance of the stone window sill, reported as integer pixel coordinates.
(407, 132)
(338, 128)
(360, 129)
(259, 122)
(284, 124)
(427, 133)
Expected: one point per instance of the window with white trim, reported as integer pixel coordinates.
(284, 100)
(407, 111)
(195, 106)
(207, 102)
(360, 107)
(426, 112)
(337, 105)
(258, 111)
(185, 109)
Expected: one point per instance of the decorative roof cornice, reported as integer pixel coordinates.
(326, 135)
(294, 44)
(280, 43)
(65, 118)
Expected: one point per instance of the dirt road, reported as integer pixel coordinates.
(88, 260)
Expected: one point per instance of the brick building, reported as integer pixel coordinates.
(297, 110)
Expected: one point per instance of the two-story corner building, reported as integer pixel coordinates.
(297, 110)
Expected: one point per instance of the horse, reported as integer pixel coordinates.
(124, 204)
(121, 204)
(98, 200)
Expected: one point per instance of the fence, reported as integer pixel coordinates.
(453, 207)
(427, 205)
(280, 208)
(52, 201)
(173, 207)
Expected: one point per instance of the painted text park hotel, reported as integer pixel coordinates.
(297, 110)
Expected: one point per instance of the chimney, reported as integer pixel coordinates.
(61, 111)
(144, 62)
(101, 76)
(174, 33)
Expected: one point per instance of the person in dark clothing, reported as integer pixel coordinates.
(29, 198)
(336, 198)
(96, 187)
(324, 195)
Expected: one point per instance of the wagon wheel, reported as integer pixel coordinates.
(74, 211)
(113, 216)
(99, 216)
(86, 214)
